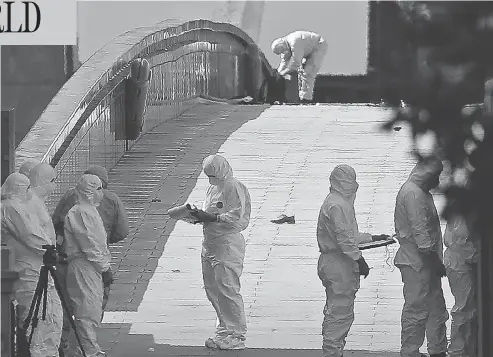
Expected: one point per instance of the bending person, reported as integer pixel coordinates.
(419, 259)
(341, 262)
(293, 49)
(226, 213)
(23, 232)
(88, 263)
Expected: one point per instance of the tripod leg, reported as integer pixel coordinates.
(34, 300)
(65, 307)
(43, 281)
(45, 297)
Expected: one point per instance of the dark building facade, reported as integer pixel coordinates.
(31, 76)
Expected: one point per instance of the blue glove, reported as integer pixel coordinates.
(364, 269)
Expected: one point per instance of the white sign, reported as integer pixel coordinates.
(38, 22)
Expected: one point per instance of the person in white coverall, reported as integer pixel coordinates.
(23, 232)
(26, 167)
(460, 259)
(293, 49)
(419, 259)
(225, 214)
(88, 264)
(341, 262)
(115, 222)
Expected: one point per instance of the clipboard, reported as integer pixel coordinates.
(377, 244)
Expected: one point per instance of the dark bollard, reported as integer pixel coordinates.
(136, 88)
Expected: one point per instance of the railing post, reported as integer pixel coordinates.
(8, 143)
(8, 319)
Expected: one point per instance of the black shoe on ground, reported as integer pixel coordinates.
(284, 219)
(442, 354)
(305, 101)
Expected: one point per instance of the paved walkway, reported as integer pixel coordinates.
(284, 155)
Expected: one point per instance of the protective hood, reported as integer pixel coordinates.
(86, 189)
(343, 180)
(217, 166)
(100, 172)
(426, 171)
(27, 166)
(280, 46)
(42, 178)
(15, 187)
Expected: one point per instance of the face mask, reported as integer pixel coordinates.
(28, 195)
(98, 197)
(213, 181)
(50, 188)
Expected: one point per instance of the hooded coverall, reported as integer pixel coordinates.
(338, 236)
(23, 231)
(114, 218)
(295, 47)
(88, 257)
(27, 165)
(223, 249)
(417, 226)
(459, 257)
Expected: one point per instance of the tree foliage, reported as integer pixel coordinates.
(453, 45)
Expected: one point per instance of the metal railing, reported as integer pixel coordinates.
(84, 123)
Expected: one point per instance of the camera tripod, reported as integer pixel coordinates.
(41, 292)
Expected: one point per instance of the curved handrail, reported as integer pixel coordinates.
(80, 95)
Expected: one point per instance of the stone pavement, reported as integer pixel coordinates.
(284, 155)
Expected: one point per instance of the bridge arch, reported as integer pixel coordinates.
(84, 123)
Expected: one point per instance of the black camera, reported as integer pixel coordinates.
(50, 256)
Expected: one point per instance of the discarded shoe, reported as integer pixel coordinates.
(231, 343)
(284, 219)
(380, 237)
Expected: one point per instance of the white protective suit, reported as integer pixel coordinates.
(417, 226)
(458, 258)
(115, 222)
(295, 47)
(223, 250)
(88, 257)
(26, 167)
(23, 231)
(338, 236)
